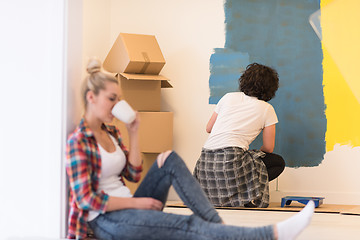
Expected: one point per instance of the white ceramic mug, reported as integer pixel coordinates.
(123, 111)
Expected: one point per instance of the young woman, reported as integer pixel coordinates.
(229, 173)
(97, 162)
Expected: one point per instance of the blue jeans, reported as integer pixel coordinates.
(205, 223)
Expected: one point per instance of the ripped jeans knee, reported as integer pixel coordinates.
(161, 158)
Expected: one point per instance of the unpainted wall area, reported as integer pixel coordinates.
(31, 100)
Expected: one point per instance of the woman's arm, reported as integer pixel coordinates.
(133, 174)
(118, 203)
(78, 170)
(268, 139)
(211, 122)
(134, 149)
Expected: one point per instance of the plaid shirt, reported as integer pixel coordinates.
(83, 166)
(233, 177)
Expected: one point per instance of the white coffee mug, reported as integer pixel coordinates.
(123, 111)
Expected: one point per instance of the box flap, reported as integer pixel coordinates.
(117, 58)
(166, 84)
(134, 76)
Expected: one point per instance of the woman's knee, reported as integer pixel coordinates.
(275, 159)
(161, 158)
(280, 161)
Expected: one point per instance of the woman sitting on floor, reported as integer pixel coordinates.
(98, 161)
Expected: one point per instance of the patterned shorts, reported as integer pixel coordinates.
(233, 177)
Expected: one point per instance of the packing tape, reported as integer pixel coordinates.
(147, 62)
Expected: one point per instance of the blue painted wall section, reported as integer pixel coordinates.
(225, 69)
(277, 33)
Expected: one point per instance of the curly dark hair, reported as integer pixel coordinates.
(259, 81)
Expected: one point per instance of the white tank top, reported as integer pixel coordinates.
(112, 165)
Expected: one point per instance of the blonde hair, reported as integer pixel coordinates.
(96, 78)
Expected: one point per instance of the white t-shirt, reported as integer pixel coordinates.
(240, 120)
(112, 165)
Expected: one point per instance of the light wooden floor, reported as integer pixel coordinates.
(324, 226)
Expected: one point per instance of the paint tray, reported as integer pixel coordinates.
(304, 200)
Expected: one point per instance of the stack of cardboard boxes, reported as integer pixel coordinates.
(137, 60)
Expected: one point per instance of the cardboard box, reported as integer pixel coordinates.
(155, 131)
(148, 161)
(142, 91)
(135, 53)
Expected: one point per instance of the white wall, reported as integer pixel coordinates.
(72, 84)
(74, 67)
(336, 179)
(96, 30)
(32, 67)
(187, 31)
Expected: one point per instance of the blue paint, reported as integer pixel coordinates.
(277, 33)
(226, 67)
